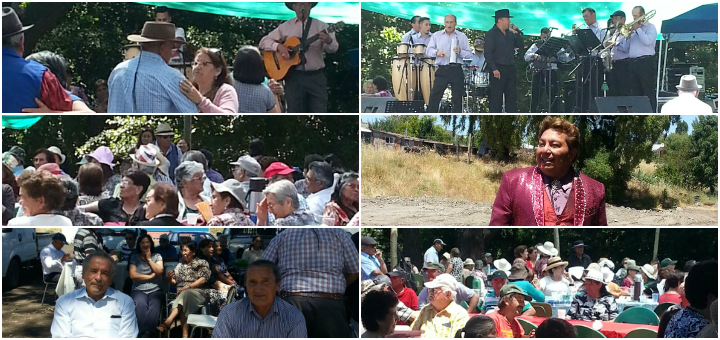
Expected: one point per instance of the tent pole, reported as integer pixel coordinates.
(657, 87)
(667, 42)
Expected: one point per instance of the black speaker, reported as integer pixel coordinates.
(374, 104)
(622, 105)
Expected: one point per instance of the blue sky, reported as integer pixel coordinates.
(687, 118)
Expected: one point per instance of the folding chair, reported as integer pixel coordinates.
(201, 321)
(47, 284)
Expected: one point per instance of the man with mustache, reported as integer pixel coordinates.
(551, 193)
(95, 311)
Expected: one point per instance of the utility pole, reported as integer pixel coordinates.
(556, 231)
(393, 247)
(657, 243)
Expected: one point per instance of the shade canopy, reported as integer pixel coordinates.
(20, 122)
(698, 24)
(529, 16)
(329, 12)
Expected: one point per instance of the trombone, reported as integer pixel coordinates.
(625, 30)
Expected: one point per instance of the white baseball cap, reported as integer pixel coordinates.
(443, 280)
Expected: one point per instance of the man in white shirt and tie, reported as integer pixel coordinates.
(95, 311)
(52, 258)
(687, 100)
(640, 49)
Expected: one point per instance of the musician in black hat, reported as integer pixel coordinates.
(305, 84)
(26, 83)
(501, 41)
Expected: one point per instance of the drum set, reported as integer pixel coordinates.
(477, 86)
(413, 74)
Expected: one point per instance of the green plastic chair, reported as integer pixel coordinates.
(662, 308)
(526, 325)
(418, 283)
(642, 333)
(638, 316)
(587, 332)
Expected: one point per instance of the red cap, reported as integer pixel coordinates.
(52, 168)
(278, 168)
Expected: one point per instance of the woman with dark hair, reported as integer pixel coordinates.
(701, 289)
(672, 283)
(249, 75)
(41, 196)
(191, 278)
(344, 201)
(58, 66)
(211, 89)
(90, 184)
(255, 251)
(219, 266)
(9, 192)
(455, 265)
(479, 326)
(101, 96)
(665, 319)
(146, 136)
(161, 208)
(379, 313)
(381, 85)
(146, 269)
(127, 208)
(555, 328)
(70, 210)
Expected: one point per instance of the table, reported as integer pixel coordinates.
(609, 329)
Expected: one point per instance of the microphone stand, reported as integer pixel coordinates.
(302, 53)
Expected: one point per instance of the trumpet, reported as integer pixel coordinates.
(575, 27)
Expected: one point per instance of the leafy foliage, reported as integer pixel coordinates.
(289, 138)
(425, 127)
(680, 244)
(92, 34)
(704, 152)
(674, 167)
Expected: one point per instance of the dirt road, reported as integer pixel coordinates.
(434, 211)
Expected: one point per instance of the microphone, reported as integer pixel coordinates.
(552, 28)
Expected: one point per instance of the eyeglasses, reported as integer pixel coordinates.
(203, 64)
(198, 178)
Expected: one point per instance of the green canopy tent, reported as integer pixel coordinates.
(329, 12)
(531, 17)
(19, 122)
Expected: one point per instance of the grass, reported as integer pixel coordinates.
(648, 191)
(388, 172)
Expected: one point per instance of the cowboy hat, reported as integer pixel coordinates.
(146, 155)
(630, 265)
(56, 150)
(164, 129)
(11, 23)
(688, 82)
(548, 248)
(502, 264)
(502, 13)
(576, 272)
(290, 4)
(518, 271)
(154, 31)
(555, 261)
(468, 262)
(578, 243)
(103, 155)
(606, 263)
(164, 165)
(594, 275)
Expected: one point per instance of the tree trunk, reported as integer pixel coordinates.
(411, 245)
(469, 146)
(556, 231)
(393, 248)
(657, 243)
(187, 132)
(44, 15)
(472, 243)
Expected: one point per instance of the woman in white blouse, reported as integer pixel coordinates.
(557, 281)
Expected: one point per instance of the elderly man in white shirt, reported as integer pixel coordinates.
(687, 100)
(95, 311)
(52, 258)
(320, 181)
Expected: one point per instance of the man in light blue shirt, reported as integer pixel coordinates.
(409, 38)
(371, 261)
(478, 58)
(640, 49)
(95, 311)
(424, 35)
(431, 255)
(449, 47)
(616, 81)
(146, 84)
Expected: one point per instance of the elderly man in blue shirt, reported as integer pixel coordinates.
(146, 84)
(261, 314)
(95, 311)
(371, 261)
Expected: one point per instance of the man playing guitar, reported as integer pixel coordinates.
(305, 84)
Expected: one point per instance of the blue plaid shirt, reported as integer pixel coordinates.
(157, 88)
(240, 320)
(313, 259)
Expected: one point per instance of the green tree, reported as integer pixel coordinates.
(503, 134)
(704, 152)
(673, 166)
(681, 128)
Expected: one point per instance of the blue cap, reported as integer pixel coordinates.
(60, 237)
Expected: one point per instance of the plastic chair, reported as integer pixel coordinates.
(662, 308)
(543, 308)
(418, 283)
(470, 282)
(638, 316)
(587, 332)
(201, 321)
(526, 325)
(642, 333)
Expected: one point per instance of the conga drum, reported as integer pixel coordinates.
(131, 51)
(403, 49)
(401, 82)
(418, 50)
(427, 77)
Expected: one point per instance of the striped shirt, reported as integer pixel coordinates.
(157, 87)
(240, 320)
(313, 259)
(86, 242)
(254, 98)
(125, 249)
(442, 324)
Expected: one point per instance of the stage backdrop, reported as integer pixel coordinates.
(329, 12)
(529, 16)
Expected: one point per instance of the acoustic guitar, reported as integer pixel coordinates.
(277, 67)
